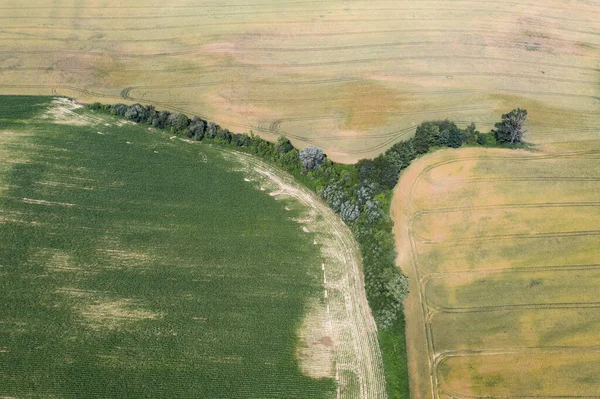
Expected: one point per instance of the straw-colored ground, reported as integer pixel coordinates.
(503, 251)
(351, 77)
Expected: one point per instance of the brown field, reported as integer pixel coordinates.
(351, 77)
(503, 251)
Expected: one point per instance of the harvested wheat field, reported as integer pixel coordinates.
(503, 251)
(350, 77)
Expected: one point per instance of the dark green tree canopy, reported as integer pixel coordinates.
(283, 145)
(426, 136)
(512, 128)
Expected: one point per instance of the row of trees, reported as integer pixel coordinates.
(359, 193)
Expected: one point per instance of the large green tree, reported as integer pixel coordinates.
(512, 127)
(427, 135)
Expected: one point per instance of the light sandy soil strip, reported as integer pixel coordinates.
(340, 327)
(63, 112)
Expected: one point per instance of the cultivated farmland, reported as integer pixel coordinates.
(350, 77)
(502, 247)
(138, 264)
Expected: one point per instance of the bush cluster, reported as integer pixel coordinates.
(359, 193)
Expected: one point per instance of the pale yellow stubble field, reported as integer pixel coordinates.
(503, 251)
(351, 77)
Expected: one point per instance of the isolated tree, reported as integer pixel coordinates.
(512, 128)
(311, 158)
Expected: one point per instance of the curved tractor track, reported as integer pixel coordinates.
(352, 77)
(406, 212)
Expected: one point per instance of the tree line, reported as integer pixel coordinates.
(360, 193)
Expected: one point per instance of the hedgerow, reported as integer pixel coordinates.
(360, 193)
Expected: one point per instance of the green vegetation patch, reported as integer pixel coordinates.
(22, 107)
(135, 265)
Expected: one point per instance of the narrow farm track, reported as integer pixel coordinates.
(352, 78)
(504, 206)
(271, 12)
(338, 62)
(356, 347)
(481, 271)
(420, 180)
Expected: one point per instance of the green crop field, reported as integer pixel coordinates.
(132, 265)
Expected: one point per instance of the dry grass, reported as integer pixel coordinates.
(113, 314)
(350, 77)
(315, 345)
(502, 248)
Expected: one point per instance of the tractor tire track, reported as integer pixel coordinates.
(296, 12)
(505, 3)
(430, 277)
(504, 206)
(486, 271)
(427, 313)
(543, 27)
(415, 216)
(446, 355)
(426, 171)
(501, 43)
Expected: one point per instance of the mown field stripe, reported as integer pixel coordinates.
(213, 5)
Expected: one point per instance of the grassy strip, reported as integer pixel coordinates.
(393, 348)
(360, 193)
(21, 108)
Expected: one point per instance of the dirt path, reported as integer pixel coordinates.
(342, 319)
